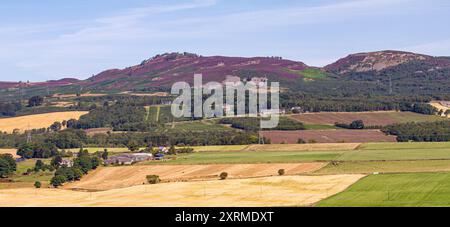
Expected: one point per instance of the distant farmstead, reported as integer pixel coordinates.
(128, 159)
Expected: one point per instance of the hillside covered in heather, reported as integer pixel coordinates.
(380, 72)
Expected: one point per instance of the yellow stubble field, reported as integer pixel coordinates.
(37, 121)
(266, 192)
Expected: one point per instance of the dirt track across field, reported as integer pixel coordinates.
(120, 177)
(269, 191)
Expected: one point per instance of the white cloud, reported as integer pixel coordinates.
(435, 48)
(84, 47)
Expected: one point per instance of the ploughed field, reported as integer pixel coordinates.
(327, 136)
(381, 118)
(107, 178)
(37, 121)
(258, 192)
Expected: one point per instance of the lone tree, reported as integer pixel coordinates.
(153, 179)
(281, 172)
(37, 184)
(39, 166)
(301, 141)
(223, 175)
(105, 154)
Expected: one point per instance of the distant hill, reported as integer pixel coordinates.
(164, 70)
(50, 83)
(362, 72)
(382, 60)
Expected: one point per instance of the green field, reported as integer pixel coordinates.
(251, 157)
(396, 154)
(412, 145)
(21, 180)
(310, 73)
(227, 148)
(386, 167)
(413, 189)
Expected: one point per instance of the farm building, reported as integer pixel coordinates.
(66, 162)
(128, 159)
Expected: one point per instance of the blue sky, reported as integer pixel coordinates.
(51, 39)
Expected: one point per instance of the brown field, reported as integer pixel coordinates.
(381, 118)
(9, 151)
(63, 104)
(95, 131)
(258, 192)
(120, 177)
(37, 121)
(327, 136)
(303, 147)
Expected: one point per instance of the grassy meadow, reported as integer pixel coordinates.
(409, 189)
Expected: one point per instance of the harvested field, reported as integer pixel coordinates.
(441, 106)
(37, 121)
(295, 191)
(9, 151)
(381, 118)
(120, 177)
(327, 136)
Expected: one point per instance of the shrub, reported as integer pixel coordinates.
(153, 179)
(281, 172)
(301, 141)
(223, 175)
(37, 184)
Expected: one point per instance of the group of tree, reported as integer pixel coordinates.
(7, 165)
(9, 109)
(37, 150)
(81, 166)
(120, 117)
(421, 132)
(35, 101)
(358, 124)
